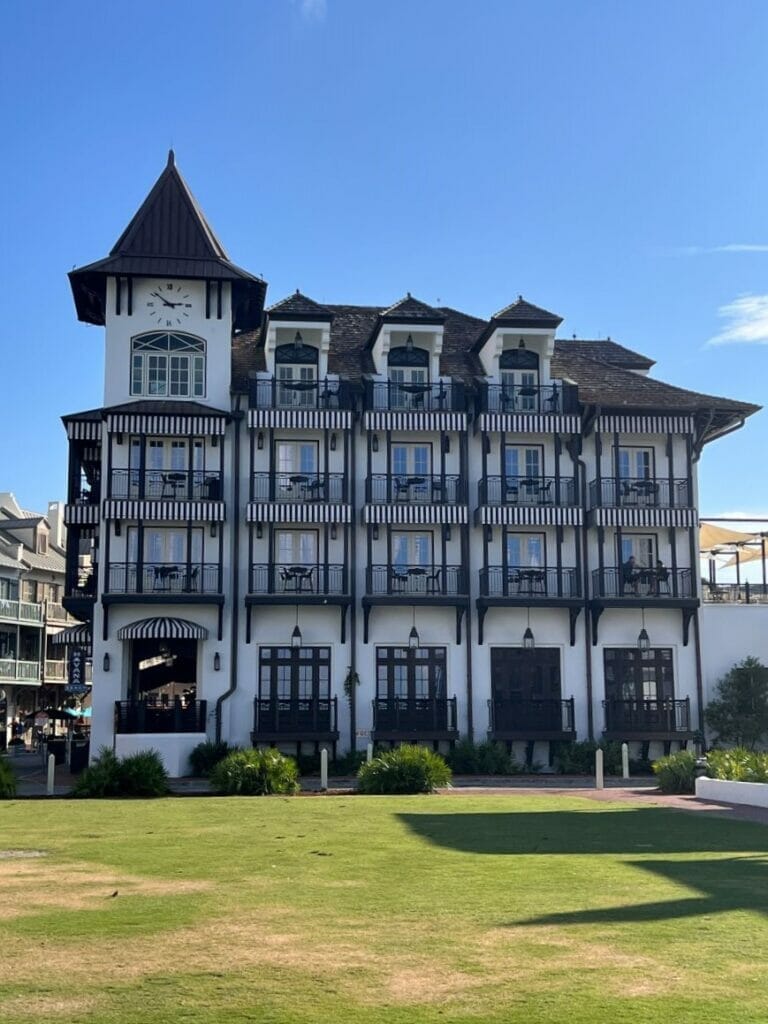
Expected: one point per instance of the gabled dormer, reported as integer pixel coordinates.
(408, 339)
(518, 343)
(298, 336)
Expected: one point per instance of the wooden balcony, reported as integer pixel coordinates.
(664, 719)
(425, 718)
(13, 669)
(25, 613)
(173, 716)
(197, 485)
(295, 720)
(531, 720)
(297, 486)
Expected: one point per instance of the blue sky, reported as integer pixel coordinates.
(606, 160)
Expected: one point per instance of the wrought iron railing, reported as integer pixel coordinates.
(298, 716)
(197, 484)
(653, 716)
(639, 492)
(417, 716)
(297, 486)
(527, 490)
(529, 582)
(172, 578)
(528, 398)
(174, 715)
(298, 578)
(658, 582)
(519, 716)
(274, 393)
(415, 489)
(734, 593)
(417, 580)
(415, 396)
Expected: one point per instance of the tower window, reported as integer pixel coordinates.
(168, 365)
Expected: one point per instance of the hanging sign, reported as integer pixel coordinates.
(76, 679)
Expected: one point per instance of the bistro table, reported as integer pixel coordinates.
(530, 581)
(163, 576)
(172, 482)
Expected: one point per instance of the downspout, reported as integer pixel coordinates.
(237, 416)
(353, 588)
(587, 424)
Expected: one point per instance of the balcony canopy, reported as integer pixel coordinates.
(162, 628)
(75, 636)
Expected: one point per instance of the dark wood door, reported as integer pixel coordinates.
(520, 674)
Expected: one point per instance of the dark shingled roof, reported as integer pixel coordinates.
(410, 310)
(609, 351)
(524, 314)
(151, 407)
(299, 307)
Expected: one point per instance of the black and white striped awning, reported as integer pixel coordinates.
(81, 515)
(416, 514)
(162, 628)
(149, 423)
(297, 512)
(74, 636)
(300, 419)
(528, 423)
(84, 430)
(413, 421)
(533, 515)
(169, 511)
(682, 517)
(644, 424)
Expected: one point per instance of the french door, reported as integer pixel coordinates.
(526, 550)
(411, 548)
(296, 547)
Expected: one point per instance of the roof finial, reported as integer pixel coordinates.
(519, 298)
(171, 158)
(408, 294)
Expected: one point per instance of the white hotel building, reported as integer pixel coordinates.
(314, 525)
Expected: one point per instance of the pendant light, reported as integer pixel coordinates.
(529, 643)
(413, 636)
(296, 634)
(643, 640)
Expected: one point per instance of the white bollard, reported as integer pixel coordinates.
(599, 780)
(323, 769)
(625, 760)
(369, 753)
(51, 771)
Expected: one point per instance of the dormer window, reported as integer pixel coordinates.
(42, 543)
(409, 375)
(519, 369)
(168, 365)
(296, 371)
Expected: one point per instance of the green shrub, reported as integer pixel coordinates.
(141, 774)
(579, 758)
(204, 758)
(676, 772)
(468, 758)
(737, 765)
(7, 780)
(408, 769)
(255, 773)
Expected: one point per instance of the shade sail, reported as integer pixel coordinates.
(74, 636)
(717, 536)
(750, 554)
(162, 628)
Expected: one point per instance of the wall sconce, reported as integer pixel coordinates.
(447, 531)
(333, 531)
(119, 437)
(216, 662)
(213, 529)
(117, 527)
(105, 662)
(375, 531)
(259, 530)
(333, 443)
(487, 444)
(489, 533)
(375, 443)
(215, 441)
(260, 440)
(446, 443)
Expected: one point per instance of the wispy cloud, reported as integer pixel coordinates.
(312, 10)
(746, 321)
(703, 250)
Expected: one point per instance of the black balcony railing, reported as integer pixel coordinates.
(414, 581)
(639, 492)
(531, 716)
(419, 489)
(298, 486)
(527, 490)
(658, 583)
(417, 717)
(300, 394)
(647, 716)
(172, 578)
(299, 716)
(529, 582)
(298, 578)
(198, 484)
(528, 398)
(734, 593)
(396, 396)
(175, 715)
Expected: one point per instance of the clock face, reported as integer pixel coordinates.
(169, 303)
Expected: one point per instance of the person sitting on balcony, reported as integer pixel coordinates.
(661, 575)
(629, 576)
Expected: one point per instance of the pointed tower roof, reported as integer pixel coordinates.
(410, 310)
(299, 307)
(524, 314)
(168, 236)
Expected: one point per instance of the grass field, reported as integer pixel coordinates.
(396, 909)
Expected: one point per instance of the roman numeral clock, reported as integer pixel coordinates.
(168, 303)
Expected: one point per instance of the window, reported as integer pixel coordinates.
(519, 370)
(526, 550)
(411, 549)
(298, 674)
(29, 590)
(409, 375)
(296, 372)
(635, 463)
(296, 547)
(168, 365)
(633, 675)
(9, 590)
(42, 543)
(522, 461)
(410, 674)
(520, 674)
(641, 547)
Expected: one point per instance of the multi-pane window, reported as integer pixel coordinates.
(523, 461)
(631, 674)
(166, 545)
(410, 673)
(411, 460)
(412, 548)
(641, 547)
(296, 547)
(635, 463)
(168, 365)
(291, 673)
(296, 368)
(526, 550)
(9, 589)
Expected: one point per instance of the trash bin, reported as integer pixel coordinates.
(78, 756)
(57, 745)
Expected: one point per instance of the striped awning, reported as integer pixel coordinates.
(645, 517)
(81, 515)
(74, 636)
(627, 424)
(416, 514)
(151, 423)
(168, 510)
(297, 512)
(529, 515)
(415, 421)
(162, 628)
(300, 419)
(84, 430)
(528, 423)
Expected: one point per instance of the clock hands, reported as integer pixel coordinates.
(163, 299)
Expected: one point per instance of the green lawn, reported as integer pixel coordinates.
(396, 909)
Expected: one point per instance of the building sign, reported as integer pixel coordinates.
(76, 680)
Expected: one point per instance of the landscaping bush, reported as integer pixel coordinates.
(739, 712)
(7, 780)
(204, 758)
(408, 769)
(579, 758)
(140, 775)
(468, 758)
(255, 773)
(676, 772)
(737, 765)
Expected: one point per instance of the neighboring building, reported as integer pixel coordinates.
(476, 520)
(32, 663)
